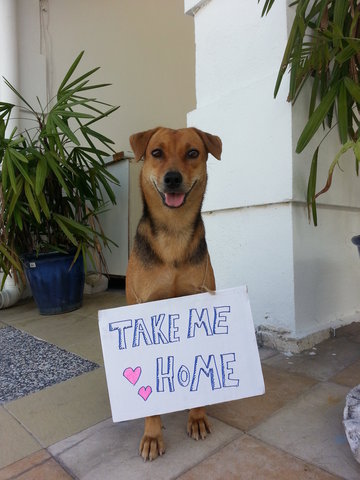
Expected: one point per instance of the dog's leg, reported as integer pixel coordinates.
(152, 443)
(198, 425)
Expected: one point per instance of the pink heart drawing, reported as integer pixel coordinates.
(145, 392)
(132, 375)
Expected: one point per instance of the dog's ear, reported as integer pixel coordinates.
(212, 143)
(139, 142)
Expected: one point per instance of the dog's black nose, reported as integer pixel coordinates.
(173, 179)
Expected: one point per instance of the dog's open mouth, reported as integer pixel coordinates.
(174, 200)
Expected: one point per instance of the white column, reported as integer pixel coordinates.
(9, 67)
(302, 280)
(247, 209)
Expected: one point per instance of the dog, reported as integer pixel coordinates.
(170, 256)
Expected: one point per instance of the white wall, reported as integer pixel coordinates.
(9, 66)
(301, 279)
(145, 49)
(253, 246)
(234, 85)
(249, 230)
(327, 269)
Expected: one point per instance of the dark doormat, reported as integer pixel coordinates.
(28, 364)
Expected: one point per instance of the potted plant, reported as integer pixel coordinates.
(323, 50)
(53, 185)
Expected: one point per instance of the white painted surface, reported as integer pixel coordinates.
(236, 48)
(32, 61)
(11, 292)
(115, 221)
(120, 221)
(253, 246)
(327, 269)
(9, 67)
(301, 278)
(255, 167)
(145, 49)
(9, 44)
(235, 79)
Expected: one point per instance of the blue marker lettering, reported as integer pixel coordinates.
(209, 368)
(162, 375)
(121, 326)
(227, 371)
(158, 335)
(220, 319)
(196, 320)
(173, 329)
(140, 331)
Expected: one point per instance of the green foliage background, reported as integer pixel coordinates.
(53, 175)
(323, 49)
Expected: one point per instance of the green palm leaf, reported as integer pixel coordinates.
(317, 118)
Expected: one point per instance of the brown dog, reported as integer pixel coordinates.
(170, 256)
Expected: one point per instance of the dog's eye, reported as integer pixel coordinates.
(157, 153)
(192, 153)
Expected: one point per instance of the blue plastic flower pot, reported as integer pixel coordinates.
(356, 241)
(56, 287)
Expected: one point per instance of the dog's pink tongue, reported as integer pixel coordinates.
(174, 199)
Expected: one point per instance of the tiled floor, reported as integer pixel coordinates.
(64, 431)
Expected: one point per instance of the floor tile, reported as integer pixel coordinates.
(86, 344)
(25, 464)
(321, 362)
(110, 451)
(64, 409)
(38, 466)
(100, 301)
(280, 388)
(265, 353)
(91, 304)
(23, 308)
(15, 441)
(249, 459)
(77, 331)
(352, 332)
(350, 376)
(74, 332)
(311, 429)
(28, 364)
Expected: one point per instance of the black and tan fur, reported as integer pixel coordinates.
(170, 256)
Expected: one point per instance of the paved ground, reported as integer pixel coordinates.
(64, 430)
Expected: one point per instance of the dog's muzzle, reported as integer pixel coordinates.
(173, 195)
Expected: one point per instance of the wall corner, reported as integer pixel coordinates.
(191, 7)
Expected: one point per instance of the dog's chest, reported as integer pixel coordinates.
(173, 249)
(169, 281)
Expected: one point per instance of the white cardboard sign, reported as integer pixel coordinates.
(180, 353)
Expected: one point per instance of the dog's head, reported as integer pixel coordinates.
(174, 162)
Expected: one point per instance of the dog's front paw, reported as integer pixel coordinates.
(151, 447)
(198, 425)
(152, 443)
